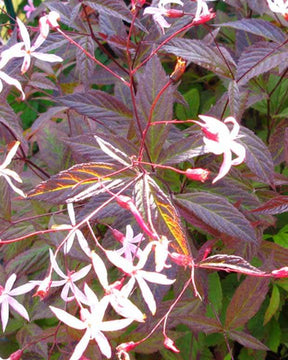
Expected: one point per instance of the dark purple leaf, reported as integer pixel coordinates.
(258, 27)
(277, 205)
(230, 263)
(247, 340)
(151, 82)
(258, 59)
(258, 157)
(97, 104)
(217, 60)
(218, 213)
(246, 301)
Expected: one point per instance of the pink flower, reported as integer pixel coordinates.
(137, 273)
(159, 12)
(279, 6)
(7, 173)
(24, 49)
(29, 8)
(280, 273)
(6, 299)
(218, 139)
(92, 322)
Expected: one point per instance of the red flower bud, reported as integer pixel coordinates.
(197, 174)
(16, 355)
(174, 13)
(169, 344)
(180, 259)
(280, 273)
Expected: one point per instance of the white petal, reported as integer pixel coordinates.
(147, 295)
(81, 346)
(103, 344)
(114, 325)
(100, 269)
(155, 278)
(24, 34)
(68, 319)
(47, 57)
(18, 307)
(225, 167)
(4, 314)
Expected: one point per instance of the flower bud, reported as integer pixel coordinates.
(169, 344)
(198, 174)
(174, 13)
(16, 355)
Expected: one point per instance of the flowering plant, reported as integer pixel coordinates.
(149, 150)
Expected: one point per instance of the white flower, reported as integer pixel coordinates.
(7, 173)
(279, 6)
(24, 49)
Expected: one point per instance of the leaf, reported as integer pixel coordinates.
(273, 304)
(218, 213)
(151, 82)
(97, 104)
(113, 152)
(193, 99)
(230, 263)
(257, 27)
(277, 255)
(258, 157)
(43, 118)
(277, 205)
(247, 340)
(258, 59)
(160, 211)
(246, 302)
(27, 334)
(85, 66)
(212, 58)
(89, 177)
(116, 8)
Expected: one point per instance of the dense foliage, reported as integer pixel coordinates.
(143, 180)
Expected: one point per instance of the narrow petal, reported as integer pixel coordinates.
(23, 289)
(11, 154)
(225, 167)
(18, 191)
(119, 261)
(114, 325)
(24, 34)
(81, 273)
(103, 344)
(10, 282)
(240, 151)
(125, 307)
(71, 213)
(155, 278)
(4, 314)
(68, 319)
(19, 308)
(81, 346)
(26, 63)
(47, 57)
(100, 269)
(147, 295)
(9, 80)
(12, 174)
(14, 51)
(55, 265)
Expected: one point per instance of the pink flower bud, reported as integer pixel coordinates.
(280, 273)
(44, 287)
(16, 355)
(169, 344)
(197, 174)
(204, 18)
(126, 347)
(174, 13)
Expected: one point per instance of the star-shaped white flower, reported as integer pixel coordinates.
(8, 174)
(279, 6)
(68, 280)
(218, 139)
(6, 299)
(92, 322)
(129, 249)
(24, 49)
(159, 12)
(137, 273)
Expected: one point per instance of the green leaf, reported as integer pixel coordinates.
(215, 293)
(273, 304)
(193, 99)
